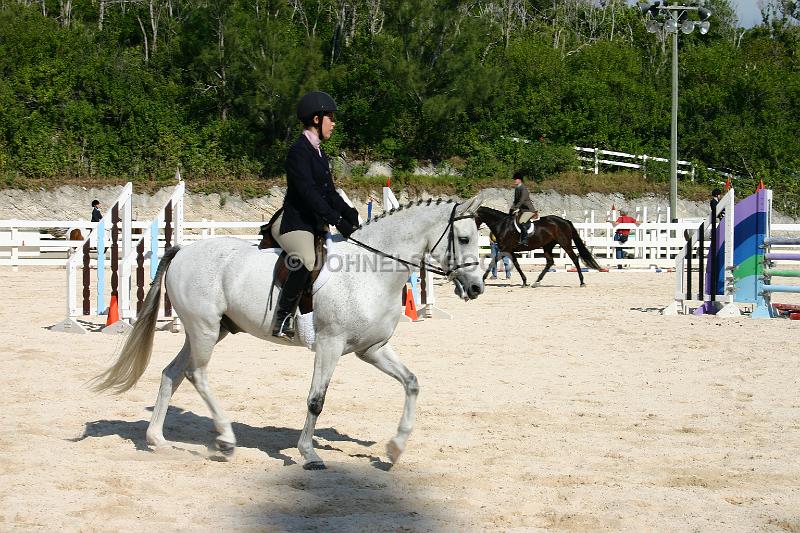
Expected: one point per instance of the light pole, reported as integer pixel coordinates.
(673, 18)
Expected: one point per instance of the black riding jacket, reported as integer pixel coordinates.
(311, 202)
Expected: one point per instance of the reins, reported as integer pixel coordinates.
(451, 248)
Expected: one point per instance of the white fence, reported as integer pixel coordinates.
(599, 157)
(650, 244)
(22, 243)
(34, 242)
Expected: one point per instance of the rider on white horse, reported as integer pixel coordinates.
(310, 206)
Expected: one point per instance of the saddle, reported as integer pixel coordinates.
(281, 271)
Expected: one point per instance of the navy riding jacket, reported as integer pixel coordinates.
(311, 202)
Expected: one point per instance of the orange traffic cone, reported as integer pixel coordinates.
(760, 185)
(411, 308)
(113, 311)
(728, 184)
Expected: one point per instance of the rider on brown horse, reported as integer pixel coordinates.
(522, 206)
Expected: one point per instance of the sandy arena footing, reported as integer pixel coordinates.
(556, 408)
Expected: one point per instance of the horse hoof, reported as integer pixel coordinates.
(314, 465)
(583, 284)
(161, 447)
(158, 443)
(226, 448)
(537, 284)
(393, 451)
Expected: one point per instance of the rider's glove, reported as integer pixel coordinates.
(345, 227)
(351, 215)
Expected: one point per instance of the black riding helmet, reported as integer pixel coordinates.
(313, 104)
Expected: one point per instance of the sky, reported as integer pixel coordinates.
(748, 12)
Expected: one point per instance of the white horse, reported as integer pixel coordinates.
(356, 310)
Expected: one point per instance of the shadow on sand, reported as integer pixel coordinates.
(348, 497)
(188, 428)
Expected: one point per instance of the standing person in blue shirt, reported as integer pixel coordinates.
(311, 205)
(495, 253)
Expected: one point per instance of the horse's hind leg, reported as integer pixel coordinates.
(572, 255)
(548, 257)
(202, 345)
(171, 378)
(386, 359)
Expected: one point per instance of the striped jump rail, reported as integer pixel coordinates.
(765, 308)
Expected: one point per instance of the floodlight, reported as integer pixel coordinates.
(652, 26)
(704, 26)
(704, 13)
(687, 26)
(671, 26)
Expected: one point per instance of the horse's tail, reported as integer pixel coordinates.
(583, 251)
(135, 354)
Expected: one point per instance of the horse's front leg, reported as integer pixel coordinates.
(548, 257)
(325, 359)
(492, 262)
(386, 359)
(516, 265)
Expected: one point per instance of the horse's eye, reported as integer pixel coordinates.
(463, 240)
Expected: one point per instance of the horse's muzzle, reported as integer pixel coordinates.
(467, 289)
(474, 290)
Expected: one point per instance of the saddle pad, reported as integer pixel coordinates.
(516, 225)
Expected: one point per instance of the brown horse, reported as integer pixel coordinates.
(545, 234)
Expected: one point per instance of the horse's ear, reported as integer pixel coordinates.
(469, 207)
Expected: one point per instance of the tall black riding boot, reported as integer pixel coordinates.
(523, 233)
(292, 290)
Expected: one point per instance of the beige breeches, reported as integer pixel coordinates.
(297, 243)
(525, 216)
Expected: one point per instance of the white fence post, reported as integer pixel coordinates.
(14, 250)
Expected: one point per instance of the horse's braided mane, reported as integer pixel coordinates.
(392, 211)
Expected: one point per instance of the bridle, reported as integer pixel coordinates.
(449, 230)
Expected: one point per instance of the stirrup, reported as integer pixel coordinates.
(285, 330)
